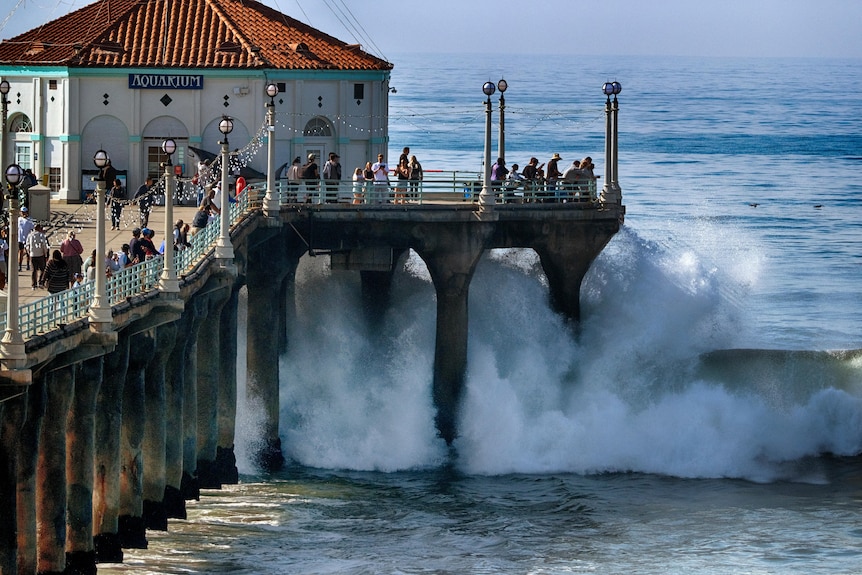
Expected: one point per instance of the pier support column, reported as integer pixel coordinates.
(376, 291)
(80, 438)
(28, 457)
(208, 382)
(263, 344)
(175, 504)
(131, 520)
(51, 473)
(190, 486)
(225, 462)
(566, 253)
(13, 412)
(155, 430)
(106, 466)
(451, 265)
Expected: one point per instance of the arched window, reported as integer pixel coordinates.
(20, 123)
(318, 127)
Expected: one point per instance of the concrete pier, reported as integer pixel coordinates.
(120, 427)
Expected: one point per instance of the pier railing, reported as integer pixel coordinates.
(59, 309)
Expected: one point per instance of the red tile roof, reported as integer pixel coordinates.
(183, 34)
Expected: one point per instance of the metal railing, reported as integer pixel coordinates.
(441, 187)
(56, 310)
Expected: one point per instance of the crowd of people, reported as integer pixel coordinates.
(377, 182)
(539, 183)
(59, 268)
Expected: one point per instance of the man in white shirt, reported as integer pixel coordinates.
(25, 226)
(381, 179)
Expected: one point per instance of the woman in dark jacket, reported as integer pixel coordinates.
(56, 273)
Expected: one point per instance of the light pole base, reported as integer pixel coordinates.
(100, 319)
(224, 250)
(610, 195)
(169, 285)
(14, 354)
(271, 206)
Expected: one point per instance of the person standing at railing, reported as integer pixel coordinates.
(37, 246)
(358, 186)
(553, 174)
(416, 176)
(332, 177)
(294, 176)
(530, 173)
(381, 179)
(499, 171)
(402, 173)
(311, 175)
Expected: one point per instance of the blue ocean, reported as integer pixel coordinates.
(704, 417)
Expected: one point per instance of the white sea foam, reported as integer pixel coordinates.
(623, 394)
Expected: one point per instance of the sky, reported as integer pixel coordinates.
(724, 28)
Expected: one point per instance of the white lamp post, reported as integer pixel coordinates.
(486, 196)
(617, 88)
(224, 248)
(168, 280)
(4, 89)
(270, 200)
(12, 346)
(501, 142)
(100, 309)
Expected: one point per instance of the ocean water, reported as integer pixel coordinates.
(705, 418)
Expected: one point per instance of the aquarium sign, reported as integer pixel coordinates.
(166, 81)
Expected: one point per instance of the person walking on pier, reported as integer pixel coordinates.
(4, 255)
(71, 249)
(57, 276)
(402, 172)
(116, 196)
(25, 228)
(144, 198)
(37, 246)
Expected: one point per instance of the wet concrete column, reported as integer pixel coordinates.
(451, 265)
(225, 463)
(28, 456)
(13, 411)
(175, 505)
(106, 464)
(190, 486)
(264, 324)
(132, 532)
(51, 473)
(208, 382)
(566, 253)
(80, 438)
(155, 430)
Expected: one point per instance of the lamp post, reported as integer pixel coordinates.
(100, 309)
(168, 280)
(4, 103)
(486, 196)
(224, 248)
(617, 88)
(270, 200)
(12, 345)
(501, 142)
(611, 192)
